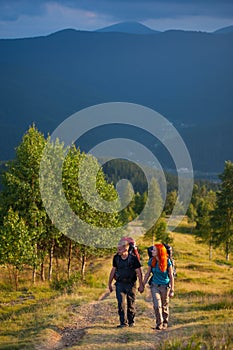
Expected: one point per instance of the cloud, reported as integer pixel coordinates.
(121, 9)
(12, 10)
(144, 9)
(54, 17)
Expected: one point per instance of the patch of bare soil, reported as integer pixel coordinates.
(85, 316)
(102, 314)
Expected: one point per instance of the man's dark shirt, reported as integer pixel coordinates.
(125, 269)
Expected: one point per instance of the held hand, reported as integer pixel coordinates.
(141, 288)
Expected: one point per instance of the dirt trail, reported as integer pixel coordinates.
(93, 326)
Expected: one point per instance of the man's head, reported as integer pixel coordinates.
(123, 248)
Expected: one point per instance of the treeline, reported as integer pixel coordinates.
(118, 169)
(29, 237)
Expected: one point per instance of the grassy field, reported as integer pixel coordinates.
(86, 317)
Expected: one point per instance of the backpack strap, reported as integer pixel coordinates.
(130, 260)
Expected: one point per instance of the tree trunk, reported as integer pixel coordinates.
(69, 258)
(16, 277)
(51, 252)
(84, 260)
(34, 274)
(57, 269)
(10, 274)
(34, 266)
(42, 271)
(227, 251)
(210, 251)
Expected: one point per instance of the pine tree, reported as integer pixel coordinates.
(222, 222)
(153, 209)
(203, 230)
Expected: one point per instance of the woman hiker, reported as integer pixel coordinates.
(161, 284)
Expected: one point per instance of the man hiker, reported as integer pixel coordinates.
(126, 268)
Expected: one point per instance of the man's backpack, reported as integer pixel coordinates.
(169, 253)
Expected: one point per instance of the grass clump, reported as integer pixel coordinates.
(65, 285)
(210, 337)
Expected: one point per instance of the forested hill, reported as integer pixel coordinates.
(185, 76)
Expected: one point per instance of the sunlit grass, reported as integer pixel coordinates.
(201, 312)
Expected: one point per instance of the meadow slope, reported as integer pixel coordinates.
(86, 317)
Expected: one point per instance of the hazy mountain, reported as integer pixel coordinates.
(185, 76)
(224, 30)
(128, 27)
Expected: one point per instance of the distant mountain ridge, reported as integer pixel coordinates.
(139, 28)
(224, 30)
(128, 27)
(185, 76)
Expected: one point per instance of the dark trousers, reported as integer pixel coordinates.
(126, 295)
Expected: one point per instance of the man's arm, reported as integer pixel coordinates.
(139, 274)
(111, 276)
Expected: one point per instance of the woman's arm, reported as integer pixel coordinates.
(171, 276)
(147, 275)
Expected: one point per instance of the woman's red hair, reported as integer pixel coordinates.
(162, 257)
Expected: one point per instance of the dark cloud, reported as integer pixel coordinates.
(12, 10)
(122, 9)
(143, 9)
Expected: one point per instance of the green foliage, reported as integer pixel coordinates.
(67, 285)
(222, 221)
(21, 190)
(16, 243)
(191, 212)
(118, 169)
(139, 203)
(153, 219)
(161, 233)
(46, 167)
(197, 196)
(154, 205)
(170, 202)
(203, 230)
(224, 262)
(91, 197)
(93, 281)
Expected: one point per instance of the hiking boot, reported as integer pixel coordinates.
(165, 325)
(131, 324)
(159, 328)
(122, 325)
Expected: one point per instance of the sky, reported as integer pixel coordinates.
(30, 18)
